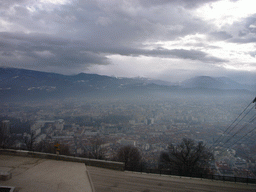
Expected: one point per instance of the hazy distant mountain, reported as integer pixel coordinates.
(12, 78)
(159, 82)
(213, 83)
(20, 84)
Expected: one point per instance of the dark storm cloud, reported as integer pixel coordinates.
(250, 22)
(193, 3)
(102, 24)
(83, 33)
(43, 50)
(247, 32)
(253, 53)
(166, 53)
(195, 55)
(220, 36)
(244, 40)
(109, 23)
(201, 45)
(38, 49)
(7, 4)
(181, 54)
(184, 3)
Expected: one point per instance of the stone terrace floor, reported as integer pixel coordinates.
(44, 175)
(105, 180)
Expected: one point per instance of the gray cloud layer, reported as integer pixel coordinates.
(84, 33)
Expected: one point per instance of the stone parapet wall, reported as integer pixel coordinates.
(90, 162)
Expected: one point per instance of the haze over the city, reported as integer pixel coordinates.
(69, 83)
(166, 40)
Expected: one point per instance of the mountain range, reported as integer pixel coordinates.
(214, 83)
(19, 84)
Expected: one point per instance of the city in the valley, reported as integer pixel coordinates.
(149, 125)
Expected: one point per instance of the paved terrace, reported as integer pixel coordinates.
(43, 175)
(106, 180)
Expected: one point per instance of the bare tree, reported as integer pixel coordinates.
(95, 150)
(186, 158)
(4, 141)
(29, 141)
(4, 138)
(130, 155)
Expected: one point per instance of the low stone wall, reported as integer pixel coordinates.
(90, 162)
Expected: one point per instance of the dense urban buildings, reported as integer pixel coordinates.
(150, 126)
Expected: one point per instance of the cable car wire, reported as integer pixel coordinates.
(239, 130)
(217, 141)
(242, 137)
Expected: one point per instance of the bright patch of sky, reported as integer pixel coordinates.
(226, 12)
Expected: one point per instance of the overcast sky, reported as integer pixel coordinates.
(163, 39)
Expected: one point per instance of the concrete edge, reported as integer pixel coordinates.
(90, 180)
(119, 166)
(191, 178)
